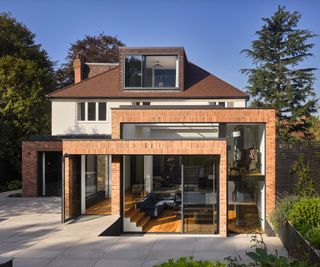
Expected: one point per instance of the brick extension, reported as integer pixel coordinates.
(118, 147)
(202, 115)
(30, 154)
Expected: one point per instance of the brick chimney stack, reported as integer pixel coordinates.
(77, 67)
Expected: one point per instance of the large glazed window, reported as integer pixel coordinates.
(170, 193)
(96, 185)
(151, 71)
(246, 177)
(170, 131)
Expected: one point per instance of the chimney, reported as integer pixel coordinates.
(77, 67)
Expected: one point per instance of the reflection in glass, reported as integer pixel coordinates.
(91, 111)
(133, 71)
(199, 195)
(151, 71)
(81, 111)
(170, 131)
(97, 185)
(246, 177)
(153, 193)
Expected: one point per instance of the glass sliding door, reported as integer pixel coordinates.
(199, 195)
(246, 177)
(96, 185)
(170, 193)
(152, 193)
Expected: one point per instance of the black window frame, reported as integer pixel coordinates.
(144, 56)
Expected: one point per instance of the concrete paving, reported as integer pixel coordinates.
(31, 232)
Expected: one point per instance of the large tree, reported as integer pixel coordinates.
(278, 79)
(18, 41)
(26, 75)
(102, 49)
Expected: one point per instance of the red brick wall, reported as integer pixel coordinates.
(154, 147)
(115, 185)
(30, 151)
(225, 115)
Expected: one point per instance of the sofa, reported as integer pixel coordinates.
(153, 205)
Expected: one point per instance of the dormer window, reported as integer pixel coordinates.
(151, 72)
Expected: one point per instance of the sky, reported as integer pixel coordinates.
(213, 33)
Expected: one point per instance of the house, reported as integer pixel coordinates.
(159, 142)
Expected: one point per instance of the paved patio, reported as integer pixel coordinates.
(31, 232)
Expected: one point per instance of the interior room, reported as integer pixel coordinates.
(96, 185)
(246, 177)
(166, 193)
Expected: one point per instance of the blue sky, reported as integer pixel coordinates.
(212, 32)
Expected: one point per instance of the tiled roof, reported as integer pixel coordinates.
(198, 84)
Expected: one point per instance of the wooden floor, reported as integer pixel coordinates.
(101, 208)
(169, 220)
(252, 225)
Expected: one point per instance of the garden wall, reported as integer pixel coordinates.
(286, 154)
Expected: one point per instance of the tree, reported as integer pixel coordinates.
(101, 49)
(24, 109)
(26, 75)
(315, 128)
(18, 41)
(277, 79)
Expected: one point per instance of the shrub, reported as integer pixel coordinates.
(280, 215)
(190, 262)
(305, 214)
(14, 185)
(305, 186)
(261, 257)
(313, 236)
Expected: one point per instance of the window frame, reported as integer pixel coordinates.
(144, 55)
(86, 111)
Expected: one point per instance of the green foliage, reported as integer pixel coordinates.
(313, 236)
(14, 185)
(24, 109)
(305, 186)
(280, 214)
(18, 41)
(262, 258)
(315, 128)
(190, 262)
(26, 75)
(305, 214)
(277, 79)
(102, 48)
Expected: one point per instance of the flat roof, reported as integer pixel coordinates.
(188, 107)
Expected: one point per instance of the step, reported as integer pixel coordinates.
(137, 216)
(144, 220)
(130, 211)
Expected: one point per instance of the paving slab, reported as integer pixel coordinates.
(32, 233)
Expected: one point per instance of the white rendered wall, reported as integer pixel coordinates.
(64, 114)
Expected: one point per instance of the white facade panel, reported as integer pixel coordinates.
(64, 121)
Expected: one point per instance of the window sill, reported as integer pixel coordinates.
(91, 122)
(151, 88)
